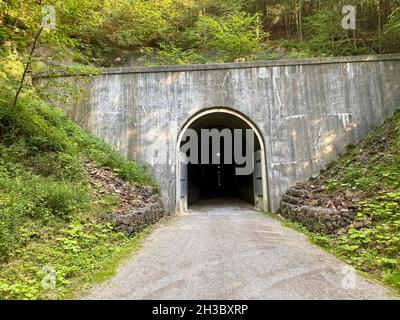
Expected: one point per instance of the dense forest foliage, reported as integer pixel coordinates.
(54, 238)
(108, 32)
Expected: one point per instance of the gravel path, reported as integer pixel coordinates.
(230, 251)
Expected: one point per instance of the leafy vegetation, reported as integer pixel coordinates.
(110, 32)
(50, 215)
(220, 31)
(78, 255)
(370, 172)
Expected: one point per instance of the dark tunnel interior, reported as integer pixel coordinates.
(211, 181)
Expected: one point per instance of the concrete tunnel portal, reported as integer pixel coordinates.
(304, 114)
(221, 181)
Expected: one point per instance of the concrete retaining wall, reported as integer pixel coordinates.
(308, 111)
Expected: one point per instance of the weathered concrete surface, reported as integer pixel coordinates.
(219, 251)
(308, 111)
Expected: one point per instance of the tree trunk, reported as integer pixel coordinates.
(300, 20)
(28, 64)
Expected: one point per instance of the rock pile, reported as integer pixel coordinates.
(295, 205)
(138, 206)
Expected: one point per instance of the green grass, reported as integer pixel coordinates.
(80, 255)
(51, 217)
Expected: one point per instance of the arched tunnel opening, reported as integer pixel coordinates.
(226, 169)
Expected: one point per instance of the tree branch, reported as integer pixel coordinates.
(28, 64)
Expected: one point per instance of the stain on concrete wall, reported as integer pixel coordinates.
(308, 111)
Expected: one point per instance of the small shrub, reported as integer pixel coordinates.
(64, 199)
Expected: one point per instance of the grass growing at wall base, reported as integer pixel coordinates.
(53, 235)
(64, 267)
